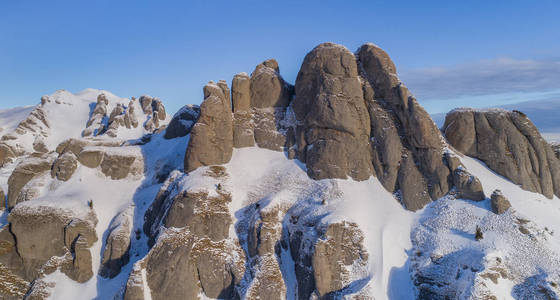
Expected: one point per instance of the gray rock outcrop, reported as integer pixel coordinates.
(46, 232)
(338, 256)
(23, 173)
(499, 203)
(468, 186)
(328, 257)
(2, 199)
(509, 144)
(243, 126)
(333, 138)
(64, 166)
(182, 122)
(154, 108)
(193, 246)
(398, 122)
(117, 245)
(95, 124)
(211, 141)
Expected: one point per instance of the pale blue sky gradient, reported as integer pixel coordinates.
(170, 49)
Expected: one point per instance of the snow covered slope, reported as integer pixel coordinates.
(10, 118)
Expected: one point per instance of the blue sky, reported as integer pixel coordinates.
(444, 50)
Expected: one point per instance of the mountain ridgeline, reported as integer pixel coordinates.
(269, 190)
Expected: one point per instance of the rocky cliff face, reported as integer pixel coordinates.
(337, 187)
(509, 143)
(350, 117)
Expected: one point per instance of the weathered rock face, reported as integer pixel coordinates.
(36, 125)
(119, 165)
(182, 122)
(91, 157)
(403, 134)
(95, 123)
(268, 88)
(211, 141)
(468, 186)
(265, 244)
(64, 166)
(193, 246)
(23, 173)
(499, 203)
(328, 258)
(333, 138)
(341, 248)
(46, 232)
(72, 145)
(154, 107)
(509, 144)
(556, 149)
(7, 154)
(2, 199)
(243, 126)
(355, 118)
(117, 245)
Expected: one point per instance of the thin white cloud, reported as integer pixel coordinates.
(488, 77)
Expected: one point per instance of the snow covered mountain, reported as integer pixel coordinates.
(338, 187)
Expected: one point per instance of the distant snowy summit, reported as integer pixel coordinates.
(339, 186)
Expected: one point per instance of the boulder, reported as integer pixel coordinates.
(122, 163)
(91, 157)
(7, 154)
(468, 186)
(64, 166)
(44, 232)
(182, 122)
(211, 141)
(39, 145)
(95, 125)
(335, 124)
(72, 145)
(23, 173)
(117, 244)
(268, 88)
(80, 269)
(509, 144)
(130, 115)
(499, 203)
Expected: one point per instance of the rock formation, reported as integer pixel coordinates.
(333, 138)
(194, 246)
(64, 166)
(211, 141)
(23, 173)
(182, 122)
(499, 203)
(509, 143)
(117, 245)
(95, 124)
(45, 233)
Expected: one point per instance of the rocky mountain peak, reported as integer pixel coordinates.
(337, 187)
